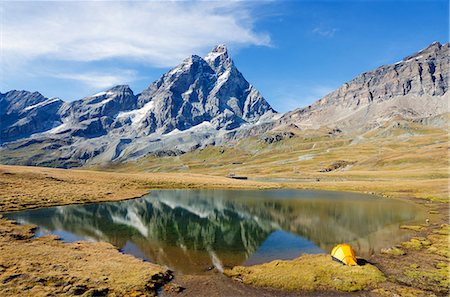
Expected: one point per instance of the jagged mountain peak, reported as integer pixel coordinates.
(220, 48)
(218, 59)
(192, 59)
(23, 113)
(120, 89)
(115, 91)
(219, 51)
(193, 63)
(198, 90)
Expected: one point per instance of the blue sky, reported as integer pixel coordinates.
(294, 52)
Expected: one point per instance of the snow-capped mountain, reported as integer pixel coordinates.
(202, 95)
(196, 91)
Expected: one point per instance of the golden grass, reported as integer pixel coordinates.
(24, 187)
(423, 265)
(46, 266)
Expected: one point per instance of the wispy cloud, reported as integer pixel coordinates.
(154, 33)
(325, 32)
(99, 80)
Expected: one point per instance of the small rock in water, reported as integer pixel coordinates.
(173, 288)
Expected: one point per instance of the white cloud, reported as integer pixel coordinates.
(325, 32)
(155, 33)
(99, 80)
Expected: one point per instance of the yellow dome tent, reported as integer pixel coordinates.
(345, 254)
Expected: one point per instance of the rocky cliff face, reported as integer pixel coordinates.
(417, 86)
(23, 113)
(94, 116)
(196, 91)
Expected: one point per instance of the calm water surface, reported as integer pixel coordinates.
(191, 231)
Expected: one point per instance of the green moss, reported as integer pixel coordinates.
(417, 243)
(437, 278)
(308, 273)
(402, 291)
(443, 230)
(412, 227)
(393, 251)
(439, 245)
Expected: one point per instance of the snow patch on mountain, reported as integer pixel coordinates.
(136, 116)
(41, 104)
(202, 127)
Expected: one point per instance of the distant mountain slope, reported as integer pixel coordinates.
(415, 87)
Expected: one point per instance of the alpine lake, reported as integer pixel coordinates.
(194, 231)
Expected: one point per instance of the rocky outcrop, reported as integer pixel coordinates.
(277, 137)
(167, 153)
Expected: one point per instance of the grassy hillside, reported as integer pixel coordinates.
(401, 158)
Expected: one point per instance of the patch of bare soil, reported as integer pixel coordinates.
(215, 284)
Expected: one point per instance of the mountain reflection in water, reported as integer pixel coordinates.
(193, 230)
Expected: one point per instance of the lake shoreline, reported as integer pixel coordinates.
(34, 187)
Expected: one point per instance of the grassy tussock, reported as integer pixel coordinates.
(309, 273)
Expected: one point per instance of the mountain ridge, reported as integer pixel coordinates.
(207, 101)
(389, 89)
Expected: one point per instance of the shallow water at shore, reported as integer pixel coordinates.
(193, 231)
